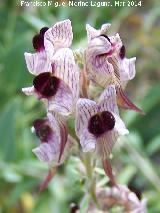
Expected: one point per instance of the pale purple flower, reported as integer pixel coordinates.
(105, 57)
(99, 48)
(55, 143)
(98, 125)
(53, 135)
(58, 84)
(48, 40)
(57, 37)
(93, 33)
(60, 93)
(106, 63)
(124, 68)
(116, 56)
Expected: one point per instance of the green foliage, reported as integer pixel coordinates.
(136, 157)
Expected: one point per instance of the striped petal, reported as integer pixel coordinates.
(116, 42)
(114, 60)
(104, 28)
(85, 109)
(127, 66)
(62, 102)
(107, 100)
(127, 71)
(47, 152)
(112, 136)
(124, 69)
(92, 32)
(100, 49)
(120, 127)
(106, 142)
(59, 36)
(99, 69)
(37, 63)
(103, 72)
(53, 151)
(65, 68)
(98, 46)
(87, 141)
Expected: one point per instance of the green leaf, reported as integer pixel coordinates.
(85, 203)
(126, 174)
(8, 130)
(153, 145)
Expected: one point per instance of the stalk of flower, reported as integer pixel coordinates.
(106, 63)
(98, 126)
(58, 82)
(55, 144)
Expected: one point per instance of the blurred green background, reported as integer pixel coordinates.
(136, 157)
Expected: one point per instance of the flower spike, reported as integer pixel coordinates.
(66, 81)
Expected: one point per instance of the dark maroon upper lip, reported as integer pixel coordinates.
(38, 123)
(106, 37)
(101, 123)
(38, 40)
(122, 52)
(46, 84)
(43, 30)
(43, 130)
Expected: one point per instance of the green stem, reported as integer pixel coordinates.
(91, 182)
